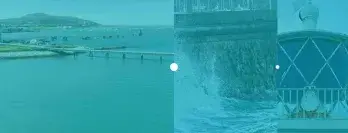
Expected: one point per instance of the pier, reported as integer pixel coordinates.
(92, 53)
(107, 54)
(161, 56)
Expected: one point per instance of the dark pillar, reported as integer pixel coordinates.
(124, 56)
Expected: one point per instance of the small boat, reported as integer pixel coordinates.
(65, 38)
(86, 38)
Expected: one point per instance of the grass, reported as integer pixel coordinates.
(14, 48)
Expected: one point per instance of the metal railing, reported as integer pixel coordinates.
(313, 103)
(188, 6)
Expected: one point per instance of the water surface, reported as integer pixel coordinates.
(85, 95)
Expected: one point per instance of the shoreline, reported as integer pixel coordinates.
(20, 51)
(27, 54)
(23, 51)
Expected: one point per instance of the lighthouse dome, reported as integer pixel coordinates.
(309, 11)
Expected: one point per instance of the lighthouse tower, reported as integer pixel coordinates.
(309, 15)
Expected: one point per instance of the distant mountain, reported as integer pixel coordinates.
(42, 19)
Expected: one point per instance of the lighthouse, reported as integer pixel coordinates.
(309, 15)
(312, 80)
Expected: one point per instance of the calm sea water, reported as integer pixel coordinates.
(84, 95)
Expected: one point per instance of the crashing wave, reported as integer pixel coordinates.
(244, 68)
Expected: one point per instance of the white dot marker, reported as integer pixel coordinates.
(277, 67)
(174, 67)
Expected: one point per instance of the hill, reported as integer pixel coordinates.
(45, 20)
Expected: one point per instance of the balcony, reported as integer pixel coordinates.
(312, 109)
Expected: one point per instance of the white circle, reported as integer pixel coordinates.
(277, 67)
(174, 67)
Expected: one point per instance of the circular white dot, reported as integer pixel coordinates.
(174, 67)
(277, 67)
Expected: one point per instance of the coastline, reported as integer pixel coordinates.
(21, 51)
(27, 54)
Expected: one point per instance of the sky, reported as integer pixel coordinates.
(333, 14)
(108, 12)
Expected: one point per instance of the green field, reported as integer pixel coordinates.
(14, 48)
(17, 48)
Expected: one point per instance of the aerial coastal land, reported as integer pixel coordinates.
(16, 51)
(36, 21)
(35, 47)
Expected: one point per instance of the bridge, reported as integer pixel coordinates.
(131, 54)
(110, 53)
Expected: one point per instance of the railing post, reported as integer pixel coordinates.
(123, 56)
(314, 102)
(325, 113)
(331, 96)
(75, 54)
(188, 6)
(90, 54)
(318, 113)
(297, 104)
(338, 95)
(107, 55)
(290, 99)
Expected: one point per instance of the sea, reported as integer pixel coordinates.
(99, 95)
